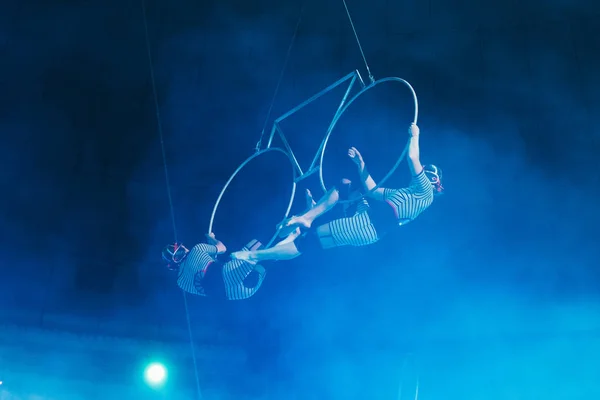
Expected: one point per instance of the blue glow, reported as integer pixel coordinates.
(155, 374)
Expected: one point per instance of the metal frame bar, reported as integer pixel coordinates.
(314, 166)
(317, 158)
(317, 163)
(288, 148)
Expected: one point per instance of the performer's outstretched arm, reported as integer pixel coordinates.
(414, 162)
(366, 178)
(212, 240)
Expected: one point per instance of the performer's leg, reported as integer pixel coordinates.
(357, 230)
(305, 220)
(324, 234)
(284, 250)
(242, 279)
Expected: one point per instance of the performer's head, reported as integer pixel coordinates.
(434, 174)
(174, 254)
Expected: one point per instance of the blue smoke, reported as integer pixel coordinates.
(491, 293)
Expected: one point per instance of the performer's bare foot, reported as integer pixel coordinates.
(292, 224)
(244, 256)
(290, 238)
(299, 222)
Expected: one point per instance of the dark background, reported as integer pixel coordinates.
(494, 290)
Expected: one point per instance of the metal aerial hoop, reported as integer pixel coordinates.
(242, 166)
(341, 112)
(317, 163)
(298, 172)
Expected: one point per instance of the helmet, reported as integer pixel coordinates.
(174, 254)
(434, 174)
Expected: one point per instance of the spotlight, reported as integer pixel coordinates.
(155, 374)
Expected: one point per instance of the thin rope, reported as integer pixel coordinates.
(402, 371)
(283, 69)
(358, 41)
(193, 347)
(158, 122)
(417, 390)
(168, 184)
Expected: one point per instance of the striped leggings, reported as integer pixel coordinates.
(357, 230)
(235, 273)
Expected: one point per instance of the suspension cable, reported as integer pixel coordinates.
(192, 346)
(285, 63)
(158, 122)
(168, 185)
(358, 41)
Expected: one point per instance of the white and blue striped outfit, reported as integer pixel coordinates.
(406, 204)
(234, 272)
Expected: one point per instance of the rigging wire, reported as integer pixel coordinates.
(158, 120)
(285, 63)
(168, 185)
(358, 42)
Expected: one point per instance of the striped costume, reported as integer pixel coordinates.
(402, 206)
(201, 274)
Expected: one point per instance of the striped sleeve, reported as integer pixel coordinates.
(389, 194)
(409, 202)
(207, 248)
(193, 265)
(420, 185)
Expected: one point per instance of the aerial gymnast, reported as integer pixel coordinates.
(370, 223)
(200, 273)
